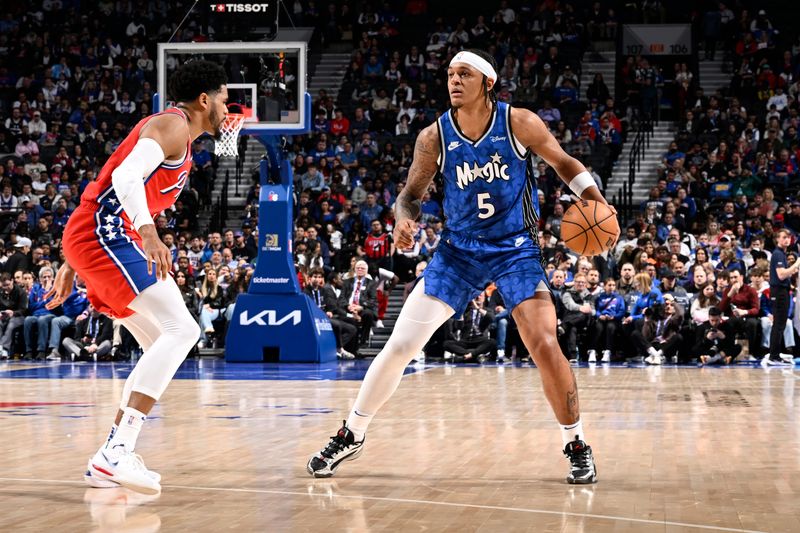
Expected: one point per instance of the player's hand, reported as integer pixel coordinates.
(156, 252)
(404, 234)
(62, 286)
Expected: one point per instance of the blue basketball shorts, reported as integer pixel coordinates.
(462, 268)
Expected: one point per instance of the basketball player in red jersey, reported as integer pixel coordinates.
(111, 242)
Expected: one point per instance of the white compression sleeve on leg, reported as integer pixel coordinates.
(128, 180)
(145, 332)
(419, 319)
(162, 304)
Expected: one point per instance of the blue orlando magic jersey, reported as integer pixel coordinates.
(489, 188)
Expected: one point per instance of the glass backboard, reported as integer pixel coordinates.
(266, 80)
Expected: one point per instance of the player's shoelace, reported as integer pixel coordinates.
(580, 457)
(337, 443)
(141, 462)
(133, 459)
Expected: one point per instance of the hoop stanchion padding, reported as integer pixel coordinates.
(289, 324)
(274, 314)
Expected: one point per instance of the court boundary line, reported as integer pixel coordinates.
(414, 501)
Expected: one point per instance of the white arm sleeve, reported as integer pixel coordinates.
(128, 180)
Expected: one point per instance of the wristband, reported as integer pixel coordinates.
(581, 182)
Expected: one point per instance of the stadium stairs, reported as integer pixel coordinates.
(381, 335)
(237, 197)
(326, 69)
(712, 76)
(602, 62)
(646, 176)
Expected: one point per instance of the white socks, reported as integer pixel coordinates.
(358, 422)
(569, 432)
(128, 430)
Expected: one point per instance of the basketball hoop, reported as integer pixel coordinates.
(228, 143)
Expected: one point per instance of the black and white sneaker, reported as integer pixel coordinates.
(582, 470)
(342, 447)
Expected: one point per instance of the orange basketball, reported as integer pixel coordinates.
(589, 227)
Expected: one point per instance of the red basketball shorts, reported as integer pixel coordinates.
(106, 252)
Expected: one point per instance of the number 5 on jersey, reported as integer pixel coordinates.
(486, 209)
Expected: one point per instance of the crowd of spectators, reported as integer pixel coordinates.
(688, 279)
(713, 214)
(74, 79)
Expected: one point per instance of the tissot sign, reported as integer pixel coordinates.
(241, 8)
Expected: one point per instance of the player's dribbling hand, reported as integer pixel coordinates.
(62, 286)
(156, 252)
(404, 234)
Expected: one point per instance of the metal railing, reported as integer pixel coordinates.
(224, 199)
(623, 200)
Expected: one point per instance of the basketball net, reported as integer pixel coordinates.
(228, 143)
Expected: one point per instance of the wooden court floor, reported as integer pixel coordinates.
(457, 449)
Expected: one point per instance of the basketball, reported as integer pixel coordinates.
(589, 227)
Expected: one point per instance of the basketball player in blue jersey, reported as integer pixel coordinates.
(483, 148)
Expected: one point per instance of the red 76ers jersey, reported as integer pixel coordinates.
(162, 187)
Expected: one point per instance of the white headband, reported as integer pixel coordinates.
(476, 61)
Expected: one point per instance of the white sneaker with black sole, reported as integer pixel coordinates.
(606, 356)
(117, 466)
(592, 356)
(342, 447)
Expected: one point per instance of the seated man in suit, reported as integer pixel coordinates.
(358, 303)
(469, 338)
(346, 333)
(93, 334)
(715, 340)
(659, 337)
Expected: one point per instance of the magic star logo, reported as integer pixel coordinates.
(466, 173)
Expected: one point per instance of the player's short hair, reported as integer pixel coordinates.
(195, 78)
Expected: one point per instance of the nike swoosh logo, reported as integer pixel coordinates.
(453, 145)
(109, 461)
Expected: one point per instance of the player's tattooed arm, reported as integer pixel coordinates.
(420, 175)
